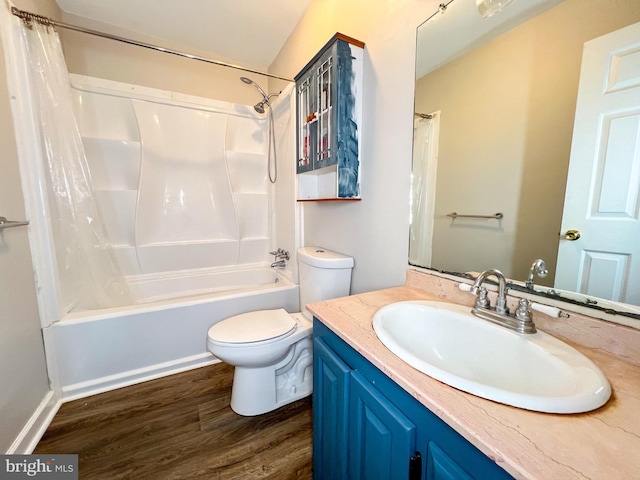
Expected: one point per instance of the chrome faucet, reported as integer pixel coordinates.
(501, 304)
(281, 257)
(521, 321)
(538, 268)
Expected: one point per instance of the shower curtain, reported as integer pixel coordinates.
(423, 190)
(87, 270)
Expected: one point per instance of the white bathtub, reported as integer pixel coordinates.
(102, 350)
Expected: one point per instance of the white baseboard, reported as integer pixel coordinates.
(32, 432)
(131, 377)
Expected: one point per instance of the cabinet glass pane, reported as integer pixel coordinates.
(306, 123)
(325, 83)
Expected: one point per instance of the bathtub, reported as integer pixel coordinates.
(164, 333)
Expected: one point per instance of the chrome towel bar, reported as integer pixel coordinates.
(497, 216)
(4, 223)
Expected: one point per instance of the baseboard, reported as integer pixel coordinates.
(32, 432)
(131, 377)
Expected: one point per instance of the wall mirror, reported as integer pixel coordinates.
(501, 135)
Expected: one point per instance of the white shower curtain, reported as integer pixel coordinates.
(87, 270)
(423, 190)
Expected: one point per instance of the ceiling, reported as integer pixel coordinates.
(247, 32)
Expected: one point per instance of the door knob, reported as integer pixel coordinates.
(572, 235)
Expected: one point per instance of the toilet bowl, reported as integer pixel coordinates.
(272, 350)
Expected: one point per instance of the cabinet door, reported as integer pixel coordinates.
(441, 467)
(381, 438)
(330, 413)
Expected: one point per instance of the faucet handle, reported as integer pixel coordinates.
(483, 298)
(523, 312)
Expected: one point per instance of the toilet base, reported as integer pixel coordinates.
(260, 390)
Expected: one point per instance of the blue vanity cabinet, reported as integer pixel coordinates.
(330, 412)
(329, 106)
(367, 427)
(381, 438)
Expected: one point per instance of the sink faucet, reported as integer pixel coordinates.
(501, 304)
(521, 321)
(539, 268)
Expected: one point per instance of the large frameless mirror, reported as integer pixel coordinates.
(527, 146)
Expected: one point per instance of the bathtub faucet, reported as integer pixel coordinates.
(281, 257)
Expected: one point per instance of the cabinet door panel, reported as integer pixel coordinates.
(381, 438)
(330, 422)
(441, 467)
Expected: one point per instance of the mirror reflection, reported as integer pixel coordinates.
(511, 162)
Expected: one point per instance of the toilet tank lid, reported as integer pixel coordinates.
(323, 258)
(253, 326)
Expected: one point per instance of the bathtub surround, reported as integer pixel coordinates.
(182, 180)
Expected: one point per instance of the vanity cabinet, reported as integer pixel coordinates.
(367, 427)
(328, 119)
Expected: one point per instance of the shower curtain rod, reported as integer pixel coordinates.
(28, 16)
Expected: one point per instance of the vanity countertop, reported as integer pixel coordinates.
(602, 444)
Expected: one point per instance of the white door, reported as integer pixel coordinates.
(602, 196)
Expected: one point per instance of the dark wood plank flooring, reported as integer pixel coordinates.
(181, 427)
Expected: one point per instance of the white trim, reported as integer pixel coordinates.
(132, 377)
(26, 441)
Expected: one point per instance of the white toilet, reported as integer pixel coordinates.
(272, 350)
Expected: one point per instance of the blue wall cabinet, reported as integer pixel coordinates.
(328, 119)
(367, 427)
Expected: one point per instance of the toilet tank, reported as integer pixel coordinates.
(323, 275)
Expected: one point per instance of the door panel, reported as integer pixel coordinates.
(602, 200)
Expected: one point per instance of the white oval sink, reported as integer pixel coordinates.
(533, 371)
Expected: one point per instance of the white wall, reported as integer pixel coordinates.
(23, 374)
(375, 231)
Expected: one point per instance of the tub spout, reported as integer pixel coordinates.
(281, 257)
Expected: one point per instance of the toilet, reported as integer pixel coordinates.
(272, 350)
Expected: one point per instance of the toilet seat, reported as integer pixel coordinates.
(253, 327)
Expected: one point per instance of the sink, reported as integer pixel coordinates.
(533, 371)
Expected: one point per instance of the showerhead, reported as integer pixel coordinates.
(259, 107)
(248, 81)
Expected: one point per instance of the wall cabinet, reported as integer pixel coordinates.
(367, 427)
(329, 111)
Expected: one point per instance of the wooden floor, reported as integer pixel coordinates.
(181, 427)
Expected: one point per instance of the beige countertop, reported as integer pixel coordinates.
(603, 444)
